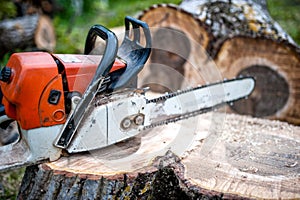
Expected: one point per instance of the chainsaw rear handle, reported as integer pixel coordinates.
(110, 51)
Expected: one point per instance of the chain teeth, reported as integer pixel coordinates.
(179, 92)
(173, 94)
(190, 114)
(184, 116)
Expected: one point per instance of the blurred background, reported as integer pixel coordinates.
(73, 18)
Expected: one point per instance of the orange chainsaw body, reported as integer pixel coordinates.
(35, 93)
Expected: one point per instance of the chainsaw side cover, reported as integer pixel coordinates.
(34, 94)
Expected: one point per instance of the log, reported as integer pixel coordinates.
(212, 156)
(30, 32)
(173, 47)
(277, 77)
(28, 7)
(240, 39)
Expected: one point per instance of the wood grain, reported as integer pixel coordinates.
(218, 155)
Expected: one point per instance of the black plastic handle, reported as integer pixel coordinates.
(110, 51)
(2, 108)
(106, 63)
(133, 52)
(136, 24)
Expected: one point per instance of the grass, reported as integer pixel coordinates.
(10, 183)
(71, 33)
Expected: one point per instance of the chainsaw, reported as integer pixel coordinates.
(67, 103)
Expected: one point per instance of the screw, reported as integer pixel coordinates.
(139, 119)
(126, 123)
(76, 100)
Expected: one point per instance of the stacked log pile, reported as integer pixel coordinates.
(241, 39)
(31, 30)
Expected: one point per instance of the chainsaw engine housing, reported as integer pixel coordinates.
(37, 89)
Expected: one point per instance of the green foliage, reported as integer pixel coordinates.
(10, 182)
(287, 14)
(65, 11)
(72, 26)
(4, 60)
(120, 9)
(7, 9)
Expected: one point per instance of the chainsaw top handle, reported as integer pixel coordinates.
(106, 63)
(110, 51)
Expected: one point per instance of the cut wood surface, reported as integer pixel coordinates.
(214, 155)
(30, 32)
(239, 38)
(176, 38)
(276, 69)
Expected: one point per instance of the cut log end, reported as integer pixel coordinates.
(241, 38)
(270, 95)
(276, 91)
(30, 32)
(229, 156)
(176, 37)
(44, 36)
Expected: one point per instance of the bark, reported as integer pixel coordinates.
(226, 157)
(240, 38)
(30, 32)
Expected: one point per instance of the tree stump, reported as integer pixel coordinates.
(29, 32)
(210, 156)
(240, 39)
